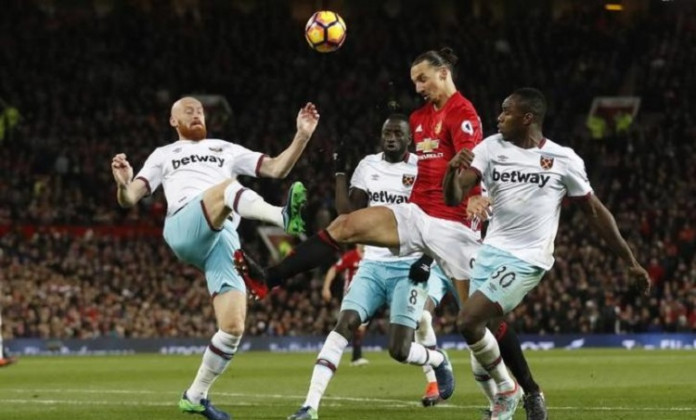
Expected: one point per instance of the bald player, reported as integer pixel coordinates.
(198, 175)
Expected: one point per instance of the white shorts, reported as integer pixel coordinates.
(452, 244)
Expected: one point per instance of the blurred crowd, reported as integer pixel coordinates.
(89, 83)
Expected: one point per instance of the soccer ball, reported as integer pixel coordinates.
(325, 31)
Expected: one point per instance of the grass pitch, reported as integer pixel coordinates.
(581, 384)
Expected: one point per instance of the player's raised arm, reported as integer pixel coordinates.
(328, 281)
(459, 178)
(129, 191)
(281, 165)
(603, 223)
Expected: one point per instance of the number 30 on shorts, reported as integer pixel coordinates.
(504, 277)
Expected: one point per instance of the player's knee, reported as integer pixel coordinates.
(400, 351)
(348, 322)
(343, 229)
(468, 324)
(233, 327)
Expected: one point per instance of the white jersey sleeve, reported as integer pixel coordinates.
(358, 179)
(481, 160)
(575, 179)
(151, 171)
(243, 160)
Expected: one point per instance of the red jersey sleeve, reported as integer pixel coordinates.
(465, 127)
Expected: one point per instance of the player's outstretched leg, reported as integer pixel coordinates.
(315, 251)
(292, 211)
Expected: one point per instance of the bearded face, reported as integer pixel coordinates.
(192, 130)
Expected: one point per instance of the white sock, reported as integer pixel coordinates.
(484, 380)
(248, 204)
(419, 355)
(327, 362)
(425, 335)
(217, 356)
(487, 353)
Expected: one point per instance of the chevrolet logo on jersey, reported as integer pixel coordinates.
(427, 145)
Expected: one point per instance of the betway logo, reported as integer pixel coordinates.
(198, 158)
(385, 197)
(517, 176)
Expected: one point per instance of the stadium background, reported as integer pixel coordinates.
(83, 80)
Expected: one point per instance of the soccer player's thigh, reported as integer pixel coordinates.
(406, 298)
(370, 226)
(503, 278)
(220, 273)
(367, 292)
(189, 234)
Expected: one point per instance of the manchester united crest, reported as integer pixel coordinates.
(438, 128)
(408, 180)
(546, 162)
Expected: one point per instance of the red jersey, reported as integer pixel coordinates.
(438, 136)
(349, 263)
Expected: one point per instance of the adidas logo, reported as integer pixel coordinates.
(419, 129)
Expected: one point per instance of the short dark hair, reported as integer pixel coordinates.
(444, 57)
(531, 100)
(398, 116)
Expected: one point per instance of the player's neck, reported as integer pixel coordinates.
(395, 158)
(531, 140)
(440, 103)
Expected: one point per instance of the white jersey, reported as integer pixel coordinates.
(526, 187)
(385, 183)
(186, 168)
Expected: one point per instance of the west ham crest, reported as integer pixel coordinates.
(408, 180)
(546, 162)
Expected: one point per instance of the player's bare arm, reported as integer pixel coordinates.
(281, 165)
(129, 191)
(348, 201)
(328, 280)
(602, 221)
(459, 178)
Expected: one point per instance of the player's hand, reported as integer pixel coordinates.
(339, 158)
(420, 270)
(478, 207)
(640, 277)
(123, 172)
(307, 120)
(326, 295)
(462, 160)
